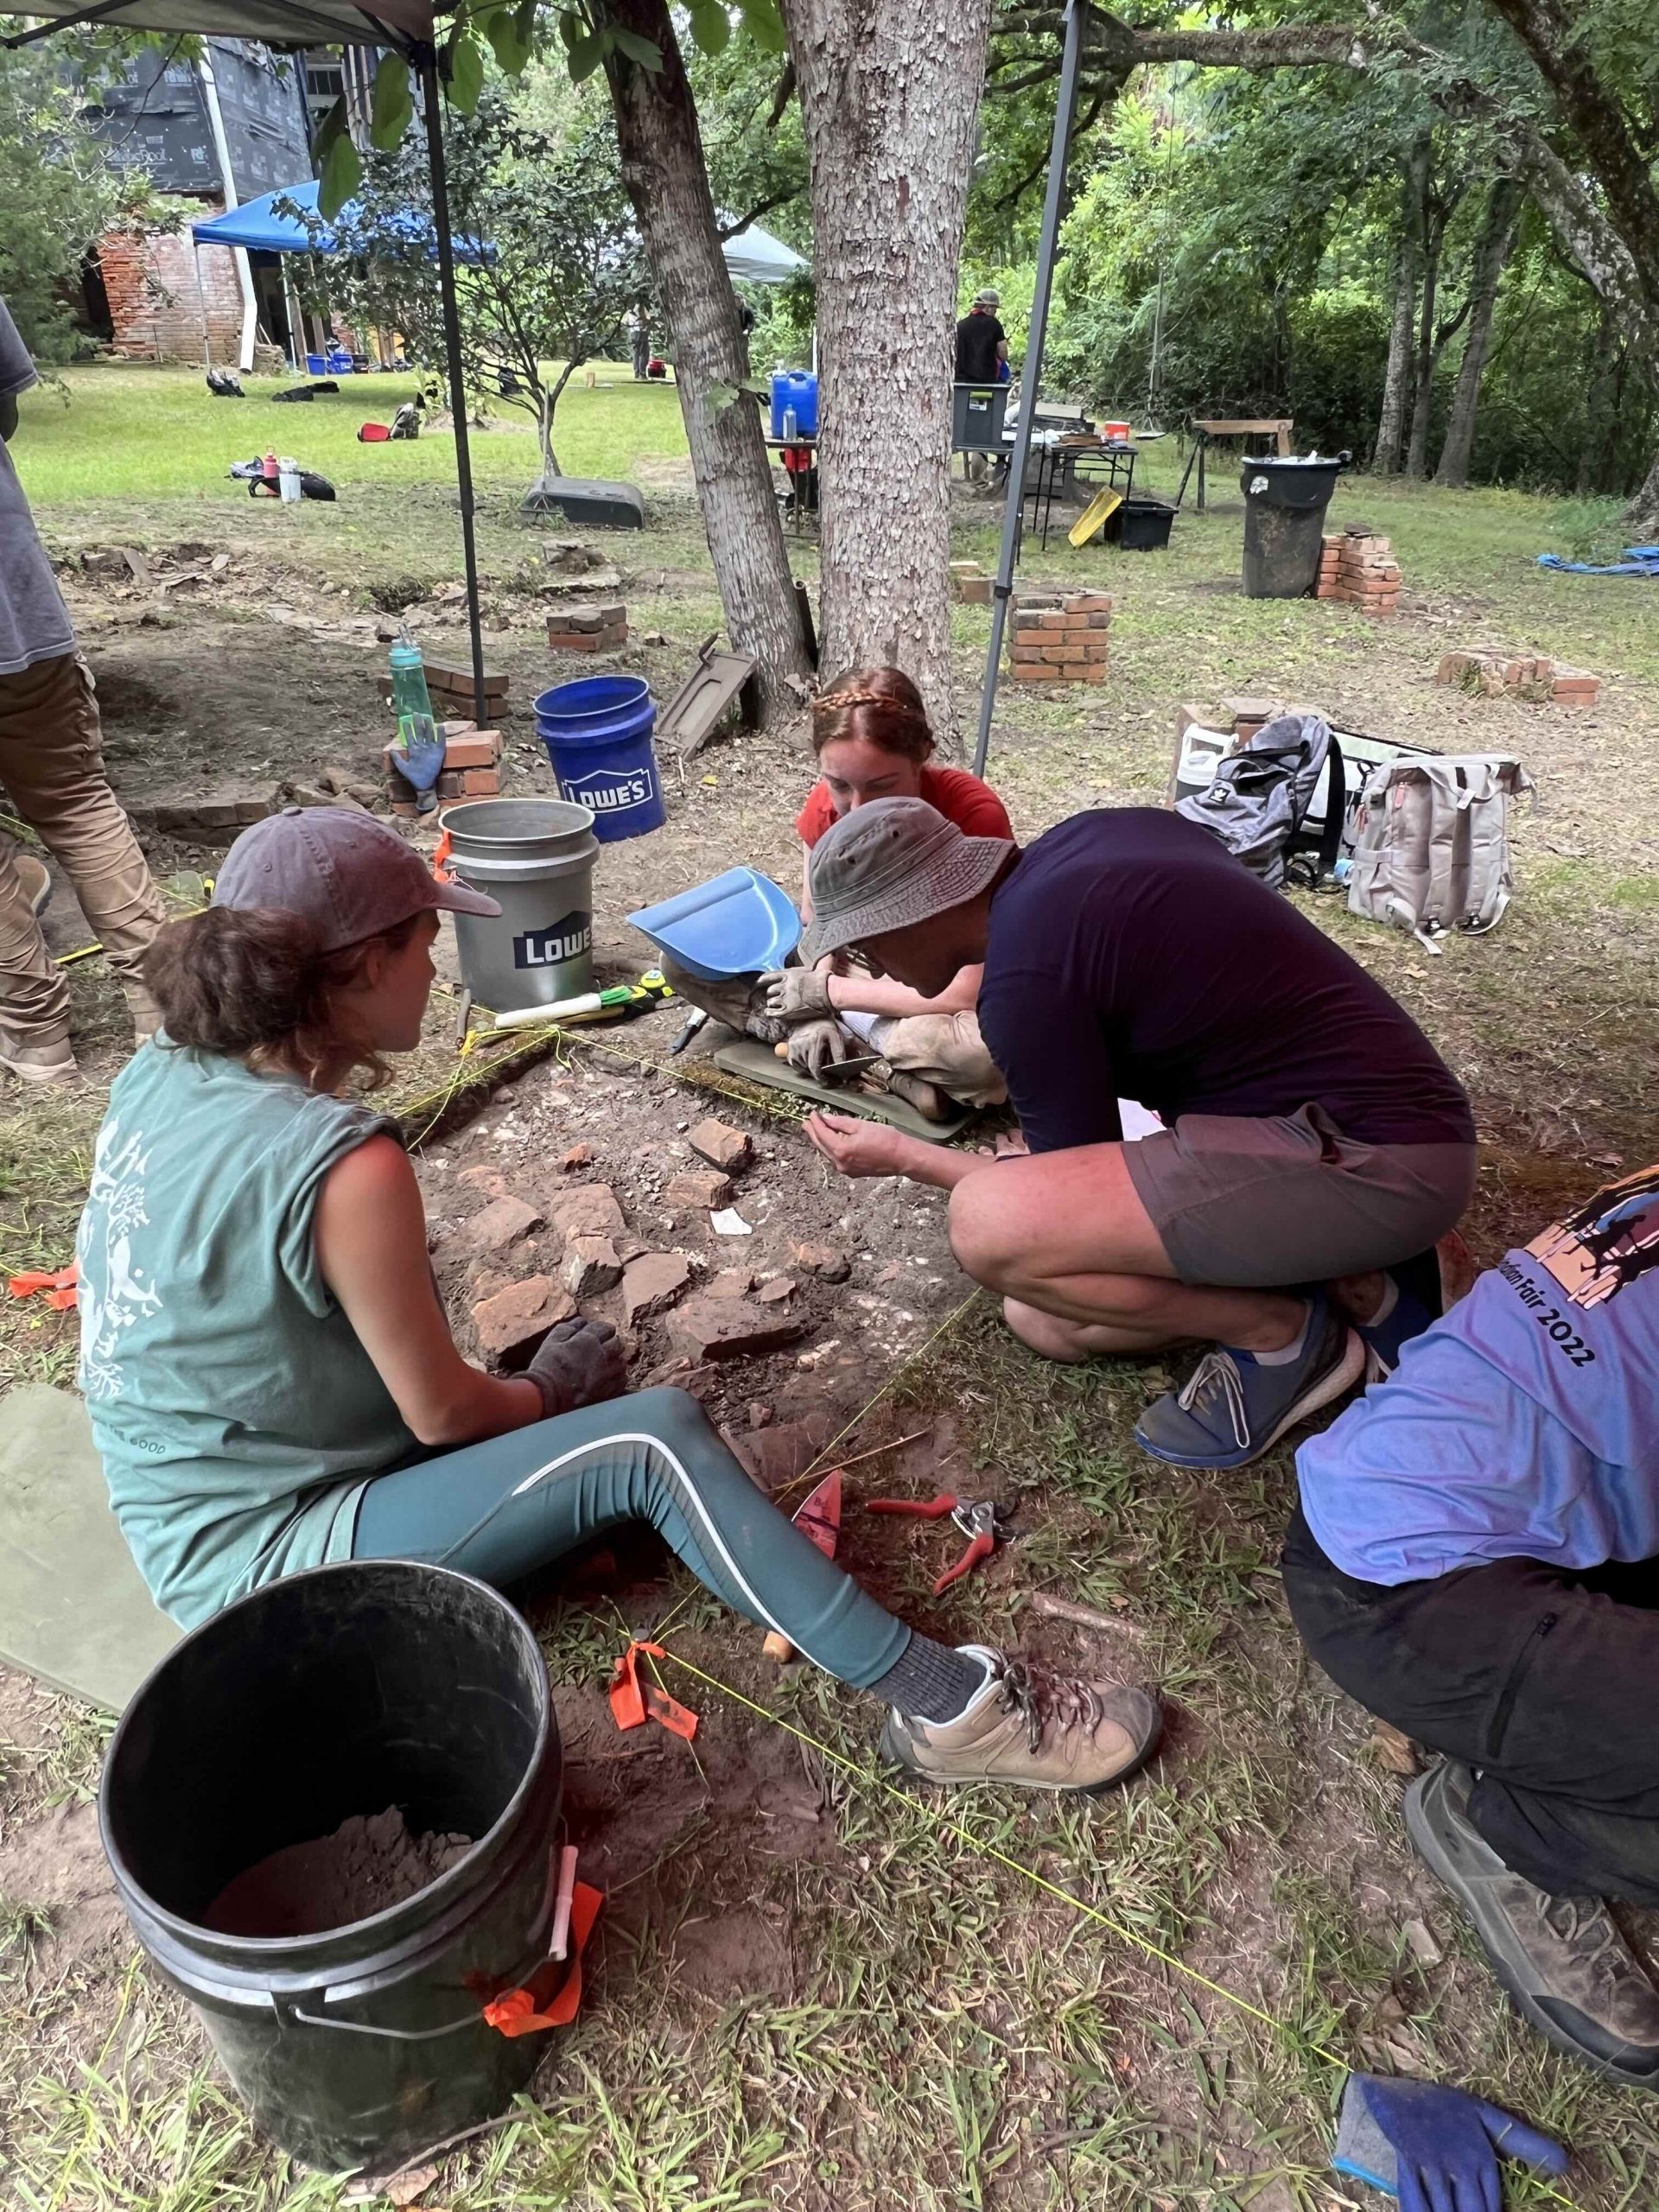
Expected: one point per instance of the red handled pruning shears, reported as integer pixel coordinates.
(983, 1523)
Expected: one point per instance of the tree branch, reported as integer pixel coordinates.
(781, 97)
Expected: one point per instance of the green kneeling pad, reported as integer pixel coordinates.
(74, 1612)
(758, 1063)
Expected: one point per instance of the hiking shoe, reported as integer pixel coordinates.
(916, 1090)
(1231, 1408)
(53, 1062)
(1563, 1961)
(1032, 1730)
(1407, 1317)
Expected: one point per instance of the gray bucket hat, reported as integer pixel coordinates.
(890, 864)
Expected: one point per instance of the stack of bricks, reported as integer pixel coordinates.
(969, 585)
(1358, 568)
(1060, 637)
(1491, 672)
(472, 767)
(588, 629)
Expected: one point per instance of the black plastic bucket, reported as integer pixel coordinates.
(343, 1691)
(1285, 501)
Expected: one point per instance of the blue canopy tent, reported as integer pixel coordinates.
(256, 225)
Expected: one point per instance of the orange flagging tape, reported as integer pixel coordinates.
(523, 2011)
(59, 1288)
(634, 1702)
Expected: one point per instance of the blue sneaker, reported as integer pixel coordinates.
(1407, 1317)
(1231, 1408)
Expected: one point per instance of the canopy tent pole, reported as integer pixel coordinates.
(426, 62)
(1031, 373)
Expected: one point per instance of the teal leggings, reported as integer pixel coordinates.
(519, 1502)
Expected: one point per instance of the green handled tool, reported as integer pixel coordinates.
(621, 1001)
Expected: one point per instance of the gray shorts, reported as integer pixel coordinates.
(1253, 1204)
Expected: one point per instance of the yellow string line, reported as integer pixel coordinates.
(1124, 1933)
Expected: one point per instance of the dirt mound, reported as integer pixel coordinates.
(369, 1863)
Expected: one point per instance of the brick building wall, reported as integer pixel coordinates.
(154, 303)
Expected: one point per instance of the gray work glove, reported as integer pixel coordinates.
(797, 994)
(813, 1046)
(578, 1362)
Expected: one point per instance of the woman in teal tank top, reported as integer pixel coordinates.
(271, 1377)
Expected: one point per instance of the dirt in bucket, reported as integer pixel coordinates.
(368, 1864)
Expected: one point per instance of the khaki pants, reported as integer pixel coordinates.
(944, 1049)
(51, 765)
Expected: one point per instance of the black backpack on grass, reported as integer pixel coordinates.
(1259, 797)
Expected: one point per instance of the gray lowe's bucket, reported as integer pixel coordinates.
(537, 856)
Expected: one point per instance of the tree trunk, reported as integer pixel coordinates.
(1422, 392)
(1492, 252)
(1642, 516)
(889, 93)
(1391, 421)
(667, 180)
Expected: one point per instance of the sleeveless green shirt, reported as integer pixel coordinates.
(230, 1397)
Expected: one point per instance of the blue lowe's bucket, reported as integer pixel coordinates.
(597, 731)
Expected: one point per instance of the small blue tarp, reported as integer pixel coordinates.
(257, 226)
(1639, 561)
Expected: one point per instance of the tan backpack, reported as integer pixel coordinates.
(1432, 843)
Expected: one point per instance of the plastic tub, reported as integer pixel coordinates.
(796, 388)
(976, 416)
(597, 731)
(315, 365)
(536, 856)
(1141, 524)
(339, 1692)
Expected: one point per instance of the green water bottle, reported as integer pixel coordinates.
(419, 738)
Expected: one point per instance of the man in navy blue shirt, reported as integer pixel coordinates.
(1312, 1136)
(1476, 1557)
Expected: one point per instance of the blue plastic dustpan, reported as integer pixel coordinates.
(738, 924)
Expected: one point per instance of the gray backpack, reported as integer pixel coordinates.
(1256, 801)
(1432, 843)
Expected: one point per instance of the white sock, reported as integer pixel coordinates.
(1390, 1300)
(1293, 1350)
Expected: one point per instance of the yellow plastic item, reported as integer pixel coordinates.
(1096, 515)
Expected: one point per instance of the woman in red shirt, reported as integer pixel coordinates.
(870, 732)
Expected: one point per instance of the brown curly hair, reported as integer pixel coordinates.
(251, 983)
(879, 705)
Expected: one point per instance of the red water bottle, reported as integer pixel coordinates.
(269, 468)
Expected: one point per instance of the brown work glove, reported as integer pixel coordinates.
(578, 1362)
(814, 1045)
(797, 994)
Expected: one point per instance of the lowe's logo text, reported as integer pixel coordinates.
(551, 947)
(608, 793)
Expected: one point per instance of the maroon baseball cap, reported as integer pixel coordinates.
(350, 873)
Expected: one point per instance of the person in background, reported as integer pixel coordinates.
(981, 342)
(270, 1375)
(1475, 1557)
(982, 357)
(1315, 1149)
(640, 340)
(51, 764)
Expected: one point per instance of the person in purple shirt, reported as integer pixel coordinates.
(1315, 1145)
(1475, 1557)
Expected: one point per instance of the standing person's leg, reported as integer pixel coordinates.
(52, 763)
(1538, 1688)
(34, 996)
(504, 1508)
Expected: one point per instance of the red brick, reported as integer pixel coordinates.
(481, 783)
(473, 748)
(572, 641)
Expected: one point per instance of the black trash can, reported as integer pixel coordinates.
(1285, 502)
(340, 1692)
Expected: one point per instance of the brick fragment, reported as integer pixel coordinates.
(512, 1323)
(702, 1187)
(730, 1150)
(729, 1328)
(590, 1266)
(652, 1283)
(824, 1261)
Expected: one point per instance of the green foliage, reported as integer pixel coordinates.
(60, 194)
(393, 104)
(561, 264)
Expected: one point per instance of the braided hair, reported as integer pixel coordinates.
(881, 706)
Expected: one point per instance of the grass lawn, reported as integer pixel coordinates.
(1145, 2002)
(158, 433)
